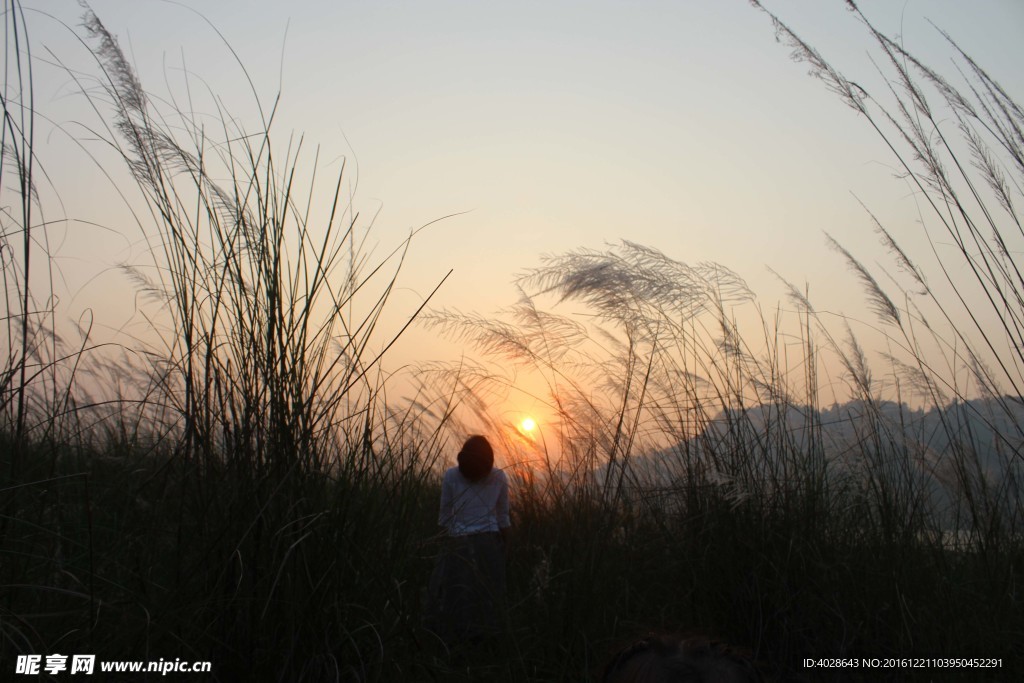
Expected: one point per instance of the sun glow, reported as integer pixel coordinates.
(528, 424)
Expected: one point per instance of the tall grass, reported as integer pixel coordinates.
(30, 374)
(962, 150)
(234, 495)
(698, 472)
(248, 494)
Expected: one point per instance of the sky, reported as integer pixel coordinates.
(545, 126)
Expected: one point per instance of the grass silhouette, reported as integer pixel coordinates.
(245, 491)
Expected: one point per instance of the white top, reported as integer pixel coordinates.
(474, 507)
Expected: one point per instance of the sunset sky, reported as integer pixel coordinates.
(548, 126)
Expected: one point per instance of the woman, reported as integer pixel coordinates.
(467, 589)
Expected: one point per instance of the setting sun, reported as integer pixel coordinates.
(528, 424)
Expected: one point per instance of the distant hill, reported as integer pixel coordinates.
(939, 448)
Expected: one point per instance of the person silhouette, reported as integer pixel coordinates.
(467, 587)
(667, 659)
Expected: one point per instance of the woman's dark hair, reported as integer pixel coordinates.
(476, 459)
(665, 659)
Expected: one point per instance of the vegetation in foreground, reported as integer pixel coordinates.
(245, 495)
